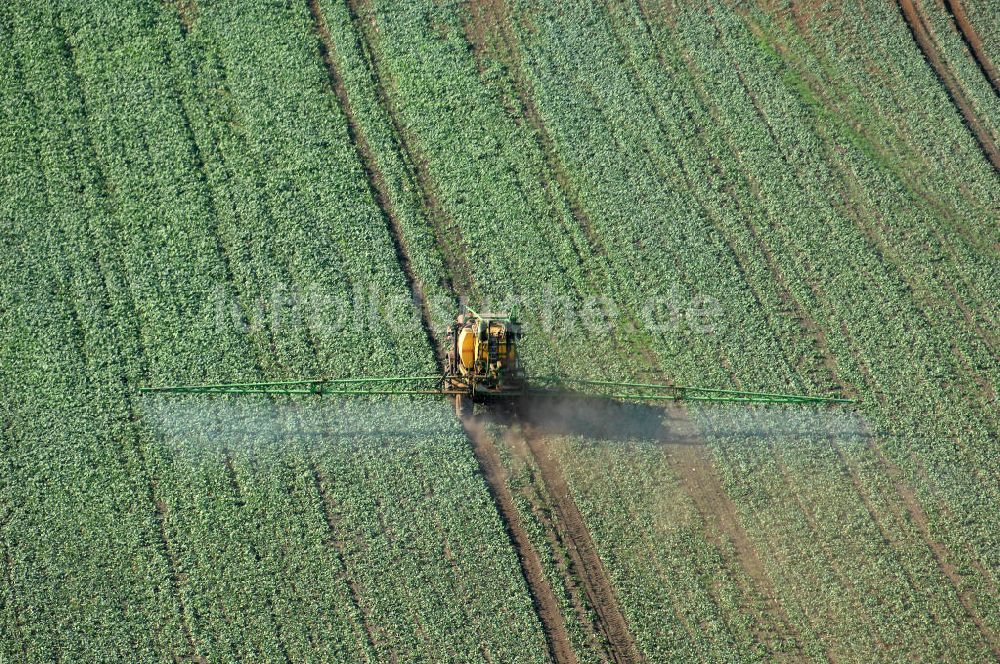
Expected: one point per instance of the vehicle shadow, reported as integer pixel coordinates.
(598, 419)
(606, 419)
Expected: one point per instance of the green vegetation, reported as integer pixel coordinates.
(137, 189)
(212, 190)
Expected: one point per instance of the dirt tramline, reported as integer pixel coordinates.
(441, 152)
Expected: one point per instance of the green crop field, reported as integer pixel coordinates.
(776, 196)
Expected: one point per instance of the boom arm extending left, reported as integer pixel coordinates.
(544, 386)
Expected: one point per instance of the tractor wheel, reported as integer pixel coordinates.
(463, 406)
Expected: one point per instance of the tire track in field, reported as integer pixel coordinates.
(354, 133)
(490, 32)
(228, 462)
(813, 330)
(879, 518)
(821, 86)
(692, 465)
(185, 15)
(490, 26)
(938, 550)
(805, 322)
(902, 489)
(546, 606)
(459, 283)
(8, 566)
(583, 552)
(823, 550)
(919, 521)
(446, 233)
(383, 200)
(492, 16)
(941, 554)
(175, 575)
(335, 543)
(883, 247)
(819, 295)
(973, 42)
(917, 514)
(184, 10)
(924, 39)
(376, 180)
(229, 276)
(704, 487)
(539, 504)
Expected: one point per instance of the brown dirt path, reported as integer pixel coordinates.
(490, 32)
(973, 42)
(459, 277)
(544, 599)
(376, 180)
(582, 551)
(921, 33)
(187, 13)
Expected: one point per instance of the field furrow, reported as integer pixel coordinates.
(772, 196)
(922, 35)
(973, 42)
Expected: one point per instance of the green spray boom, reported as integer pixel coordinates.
(481, 362)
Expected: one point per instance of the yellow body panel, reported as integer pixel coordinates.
(467, 347)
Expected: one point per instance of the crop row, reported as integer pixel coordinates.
(789, 191)
(634, 257)
(160, 167)
(985, 20)
(866, 66)
(961, 64)
(927, 366)
(489, 177)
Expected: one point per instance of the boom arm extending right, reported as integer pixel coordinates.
(563, 386)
